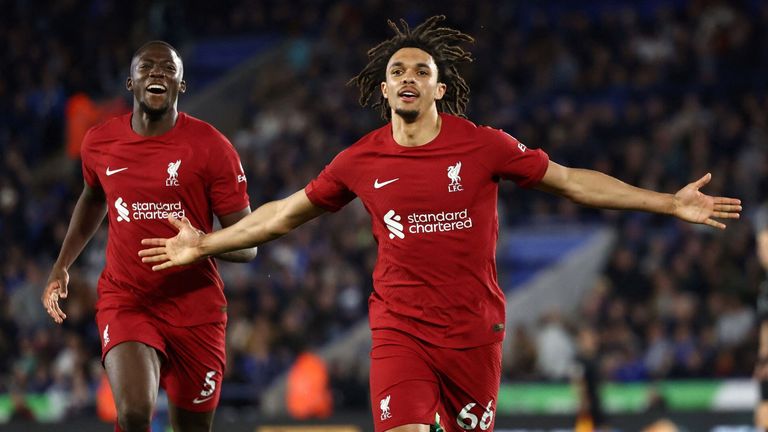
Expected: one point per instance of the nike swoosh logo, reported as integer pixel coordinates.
(199, 401)
(110, 172)
(377, 185)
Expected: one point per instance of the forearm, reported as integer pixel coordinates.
(239, 256)
(253, 230)
(595, 189)
(86, 218)
(266, 223)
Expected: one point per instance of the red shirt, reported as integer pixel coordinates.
(191, 170)
(433, 213)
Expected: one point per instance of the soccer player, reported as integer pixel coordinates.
(761, 368)
(429, 180)
(157, 329)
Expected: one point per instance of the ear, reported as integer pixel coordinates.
(384, 89)
(183, 86)
(129, 84)
(440, 90)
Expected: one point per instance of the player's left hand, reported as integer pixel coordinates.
(693, 206)
(175, 251)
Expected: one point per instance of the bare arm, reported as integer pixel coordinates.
(762, 248)
(88, 215)
(595, 189)
(266, 223)
(242, 255)
(761, 370)
(761, 367)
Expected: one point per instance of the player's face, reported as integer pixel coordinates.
(411, 85)
(156, 79)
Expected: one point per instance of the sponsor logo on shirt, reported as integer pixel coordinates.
(115, 171)
(384, 406)
(426, 223)
(241, 176)
(209, 386)
(173, 173)
(377, 185)
(394, 226)
(122, 210)
(453, 175)
(147, 210)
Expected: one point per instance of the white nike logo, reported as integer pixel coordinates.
(197, 400)
(377, 185)
(110, 172)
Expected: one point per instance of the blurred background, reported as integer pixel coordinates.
(657, 93)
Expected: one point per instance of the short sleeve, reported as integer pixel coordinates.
(510, 159)
(327, 190)
(87, 158)
(228, 187)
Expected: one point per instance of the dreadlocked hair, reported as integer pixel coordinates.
(442, 43)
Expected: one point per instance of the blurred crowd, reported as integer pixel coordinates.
(656, 94)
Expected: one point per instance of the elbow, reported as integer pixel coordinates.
(575, 194)
(277, 230)
(580, 199)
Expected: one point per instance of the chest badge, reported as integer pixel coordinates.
(173, 173)
(453, 175)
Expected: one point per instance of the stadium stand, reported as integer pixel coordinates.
(656, 94)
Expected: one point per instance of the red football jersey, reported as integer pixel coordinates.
(191, 170)
(433, 213)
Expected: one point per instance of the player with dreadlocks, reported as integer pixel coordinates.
(441, 42)
(429, 180)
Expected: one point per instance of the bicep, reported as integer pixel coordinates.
(298, 209)
(555, 180)
(92, 194)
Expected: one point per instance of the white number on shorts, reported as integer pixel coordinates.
(469, 421)
(487, 419)
(466, 415)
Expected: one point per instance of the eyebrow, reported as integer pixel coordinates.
(151, 61)
(418, 65)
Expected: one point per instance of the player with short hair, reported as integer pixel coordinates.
(429, 180)
(157, 329)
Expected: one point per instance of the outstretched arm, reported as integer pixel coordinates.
(268, 222)
(242, 255)
(761, 241)
(89, 212)
(595, 189)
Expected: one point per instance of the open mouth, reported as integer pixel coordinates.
(408, 95)
(157, 89)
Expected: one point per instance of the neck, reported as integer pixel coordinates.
(420, 132)
(145, 125)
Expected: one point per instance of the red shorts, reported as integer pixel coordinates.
(193, 357)
(412, 380)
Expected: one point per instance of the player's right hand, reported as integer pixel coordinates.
(55, 289)
(175, 251)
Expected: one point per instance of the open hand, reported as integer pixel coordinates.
(175, 251)
(55, 289)
(693, 206)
